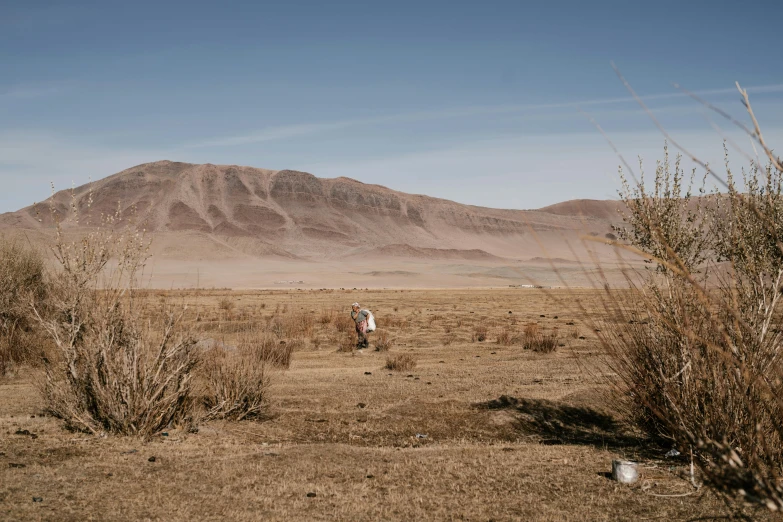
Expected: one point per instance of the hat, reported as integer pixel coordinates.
(355, 304)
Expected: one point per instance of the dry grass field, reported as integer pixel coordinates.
(476, 430)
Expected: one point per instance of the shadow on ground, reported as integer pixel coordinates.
(558, 423)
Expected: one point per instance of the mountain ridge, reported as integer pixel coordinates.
(295, 215)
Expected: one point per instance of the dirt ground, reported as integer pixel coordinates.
(476, 431)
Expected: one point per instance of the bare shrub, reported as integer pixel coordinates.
(383, 342)
(236, 383)
(115, 370)
(346, 343)
(22, 284)
(327, 317)
(702, 366)
(401, 362)
(344, 323)
(226, 305)
(479, 334)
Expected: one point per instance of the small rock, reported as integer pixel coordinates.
(361, 405)
(367, 373)
(16, 465)
(542, 316)
(152, 459)
(429, 382)
(555, 317)
(672, 453)
(311, 494)
(582, 337)
(22, 432)
(409, 375)
(493, 353)
(370, 476)
(129, 452)
(37, 499)
(164, 434)
(421, 436)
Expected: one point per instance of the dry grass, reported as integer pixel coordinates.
(22, 285)
(383, 342)
(479, 334)
(236, 384)
(700, 358)
(400, 362)
(540, 456)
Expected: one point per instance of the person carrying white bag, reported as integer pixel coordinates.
(365, 323)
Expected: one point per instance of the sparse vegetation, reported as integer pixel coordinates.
(479, 334)
(703, 366)
(236, 383)
(22, 286)
(401, 362)
(383, 342)
(114, 370)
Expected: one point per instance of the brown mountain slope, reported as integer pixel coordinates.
(217, 211)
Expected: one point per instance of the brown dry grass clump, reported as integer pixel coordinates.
(22, 285)
(236, 383)
(536, 340)
(479, 334)
(383, 343)
(401, 362)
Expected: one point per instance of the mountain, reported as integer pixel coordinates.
(223, 212)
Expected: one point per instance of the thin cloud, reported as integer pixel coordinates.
(30, 91)
(296, 130)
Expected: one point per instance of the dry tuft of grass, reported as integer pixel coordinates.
(346, 342)
(236, 384)
(383, 343)
(479, 334)
(22, 283)
(401, 362)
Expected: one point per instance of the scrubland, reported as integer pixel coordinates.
(482, 427)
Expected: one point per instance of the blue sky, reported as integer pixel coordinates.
(475, 102)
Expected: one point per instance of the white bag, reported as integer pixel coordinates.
(370, 321)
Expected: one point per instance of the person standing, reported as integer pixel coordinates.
(360, 318)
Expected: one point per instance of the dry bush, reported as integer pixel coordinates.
(236, 383)
(344, 323)
(114, 371)
(383, 342)
(226, 305)
(507, 337)
(401, 362)
(327, 317)
(479, 334)
(346, 342)
(22, 285)
(292, 326)
(702, 367)
(540, 342)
